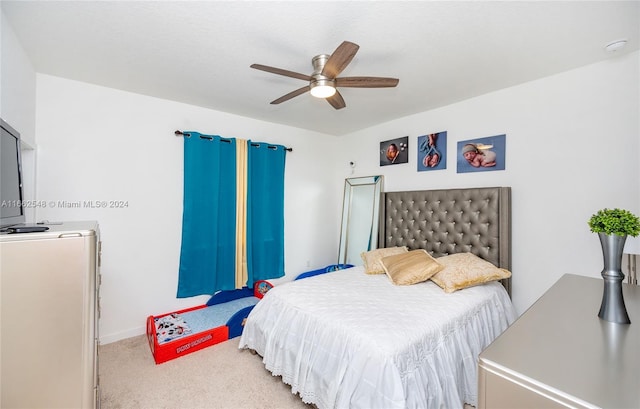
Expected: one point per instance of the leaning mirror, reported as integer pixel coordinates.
(360, 214)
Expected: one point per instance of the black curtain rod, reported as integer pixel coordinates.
(180, 133)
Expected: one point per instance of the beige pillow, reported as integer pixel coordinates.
(464, 270)
(409, 268)
(372, 258)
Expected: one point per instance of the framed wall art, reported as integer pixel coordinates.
(394, 151)
(482, 154)
(432, 151)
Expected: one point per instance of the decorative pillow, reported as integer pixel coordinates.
(464, 270)
(372, 258)
(409, 268)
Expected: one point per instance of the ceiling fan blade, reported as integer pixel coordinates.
(336, 101)
(290, 95)
(366, 82)
(340, 58)
(280, 71)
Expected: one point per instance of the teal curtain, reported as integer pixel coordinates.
(207, 255)
(265, 211)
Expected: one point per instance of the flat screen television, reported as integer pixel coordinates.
(11, 193)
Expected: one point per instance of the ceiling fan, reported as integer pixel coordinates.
(324, 80)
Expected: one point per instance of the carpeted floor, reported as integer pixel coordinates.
(218, 377)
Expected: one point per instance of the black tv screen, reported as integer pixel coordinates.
(11, 195)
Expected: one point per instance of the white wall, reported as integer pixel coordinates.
(18, 102)
(572, 147)
(18, 84)
(100, 144)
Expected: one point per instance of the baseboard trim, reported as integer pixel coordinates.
(134, 332)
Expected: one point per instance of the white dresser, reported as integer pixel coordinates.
(49, 285)
(560, 354)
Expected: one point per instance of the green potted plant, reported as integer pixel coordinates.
(615, 221)
(613, 226)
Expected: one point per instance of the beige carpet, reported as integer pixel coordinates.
(218, 377)
(221, 376)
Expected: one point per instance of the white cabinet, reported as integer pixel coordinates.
(559, 354)
(49, 285)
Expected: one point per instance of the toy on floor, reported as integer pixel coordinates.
(179, 333)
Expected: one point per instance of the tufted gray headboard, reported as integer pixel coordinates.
(476, 220)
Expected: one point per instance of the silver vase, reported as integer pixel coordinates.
(612, 308)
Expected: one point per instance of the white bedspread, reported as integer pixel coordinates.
(351, 340)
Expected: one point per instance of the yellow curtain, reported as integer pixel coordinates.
(241, 213)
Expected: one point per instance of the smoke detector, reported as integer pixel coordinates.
(616, 45)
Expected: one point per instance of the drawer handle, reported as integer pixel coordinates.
(64, 235)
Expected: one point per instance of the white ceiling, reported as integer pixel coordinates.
(199, 52)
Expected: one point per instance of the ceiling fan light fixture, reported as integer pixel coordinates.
(323, 82)
(323, 88)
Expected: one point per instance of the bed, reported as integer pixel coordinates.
(349, 339)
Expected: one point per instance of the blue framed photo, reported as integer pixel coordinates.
(482, 154)
(432, 151)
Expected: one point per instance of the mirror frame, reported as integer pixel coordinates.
(372, 219)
